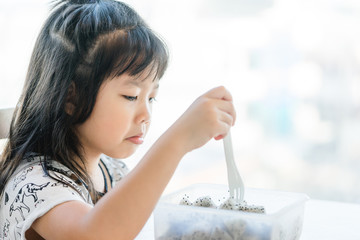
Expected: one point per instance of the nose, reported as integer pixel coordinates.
(144, 114)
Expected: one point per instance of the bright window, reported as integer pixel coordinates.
(293, 68)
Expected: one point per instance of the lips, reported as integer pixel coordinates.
(138, 139)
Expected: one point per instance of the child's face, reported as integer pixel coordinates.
(120, 118)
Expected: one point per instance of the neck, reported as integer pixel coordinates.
(92, 164)
(92, 161)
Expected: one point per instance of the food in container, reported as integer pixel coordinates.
(283, 217)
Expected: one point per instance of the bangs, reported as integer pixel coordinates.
(130, 51)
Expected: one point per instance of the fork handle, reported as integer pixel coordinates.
(229, 153)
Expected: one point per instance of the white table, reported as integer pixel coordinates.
(331, 221)
(324, 220)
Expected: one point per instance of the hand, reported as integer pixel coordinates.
(209, 116)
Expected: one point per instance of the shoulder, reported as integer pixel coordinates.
(30, 193)
(58, 176)
(116, 168)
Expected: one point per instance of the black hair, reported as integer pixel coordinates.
(81, 44)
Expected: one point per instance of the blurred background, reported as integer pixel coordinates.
(292, 66)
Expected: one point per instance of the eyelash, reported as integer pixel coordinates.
(132, 98)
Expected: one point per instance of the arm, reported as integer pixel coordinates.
(124, 210)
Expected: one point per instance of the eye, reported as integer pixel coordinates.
(152, 99)
(130, 98)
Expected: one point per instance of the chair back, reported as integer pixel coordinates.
(5, 120)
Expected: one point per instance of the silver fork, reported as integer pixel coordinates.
(236, 185)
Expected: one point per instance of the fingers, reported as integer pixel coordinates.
(219, 93)
(227, 113)
(219, 137)
(227, 108)
(222, 100)
(209, 116)
(226, 121)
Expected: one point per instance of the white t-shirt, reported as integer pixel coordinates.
(30, 193)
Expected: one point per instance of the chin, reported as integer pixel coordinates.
(120, 155)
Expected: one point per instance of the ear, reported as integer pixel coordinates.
(70, 99)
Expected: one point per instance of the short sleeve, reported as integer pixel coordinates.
(28, 195)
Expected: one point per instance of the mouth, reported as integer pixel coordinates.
(137, 139)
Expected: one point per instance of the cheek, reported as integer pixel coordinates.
(112, 123)
(107, 123)
(107, 112)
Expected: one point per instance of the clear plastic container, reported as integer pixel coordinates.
(283, 218)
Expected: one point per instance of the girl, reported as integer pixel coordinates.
(87, 101)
